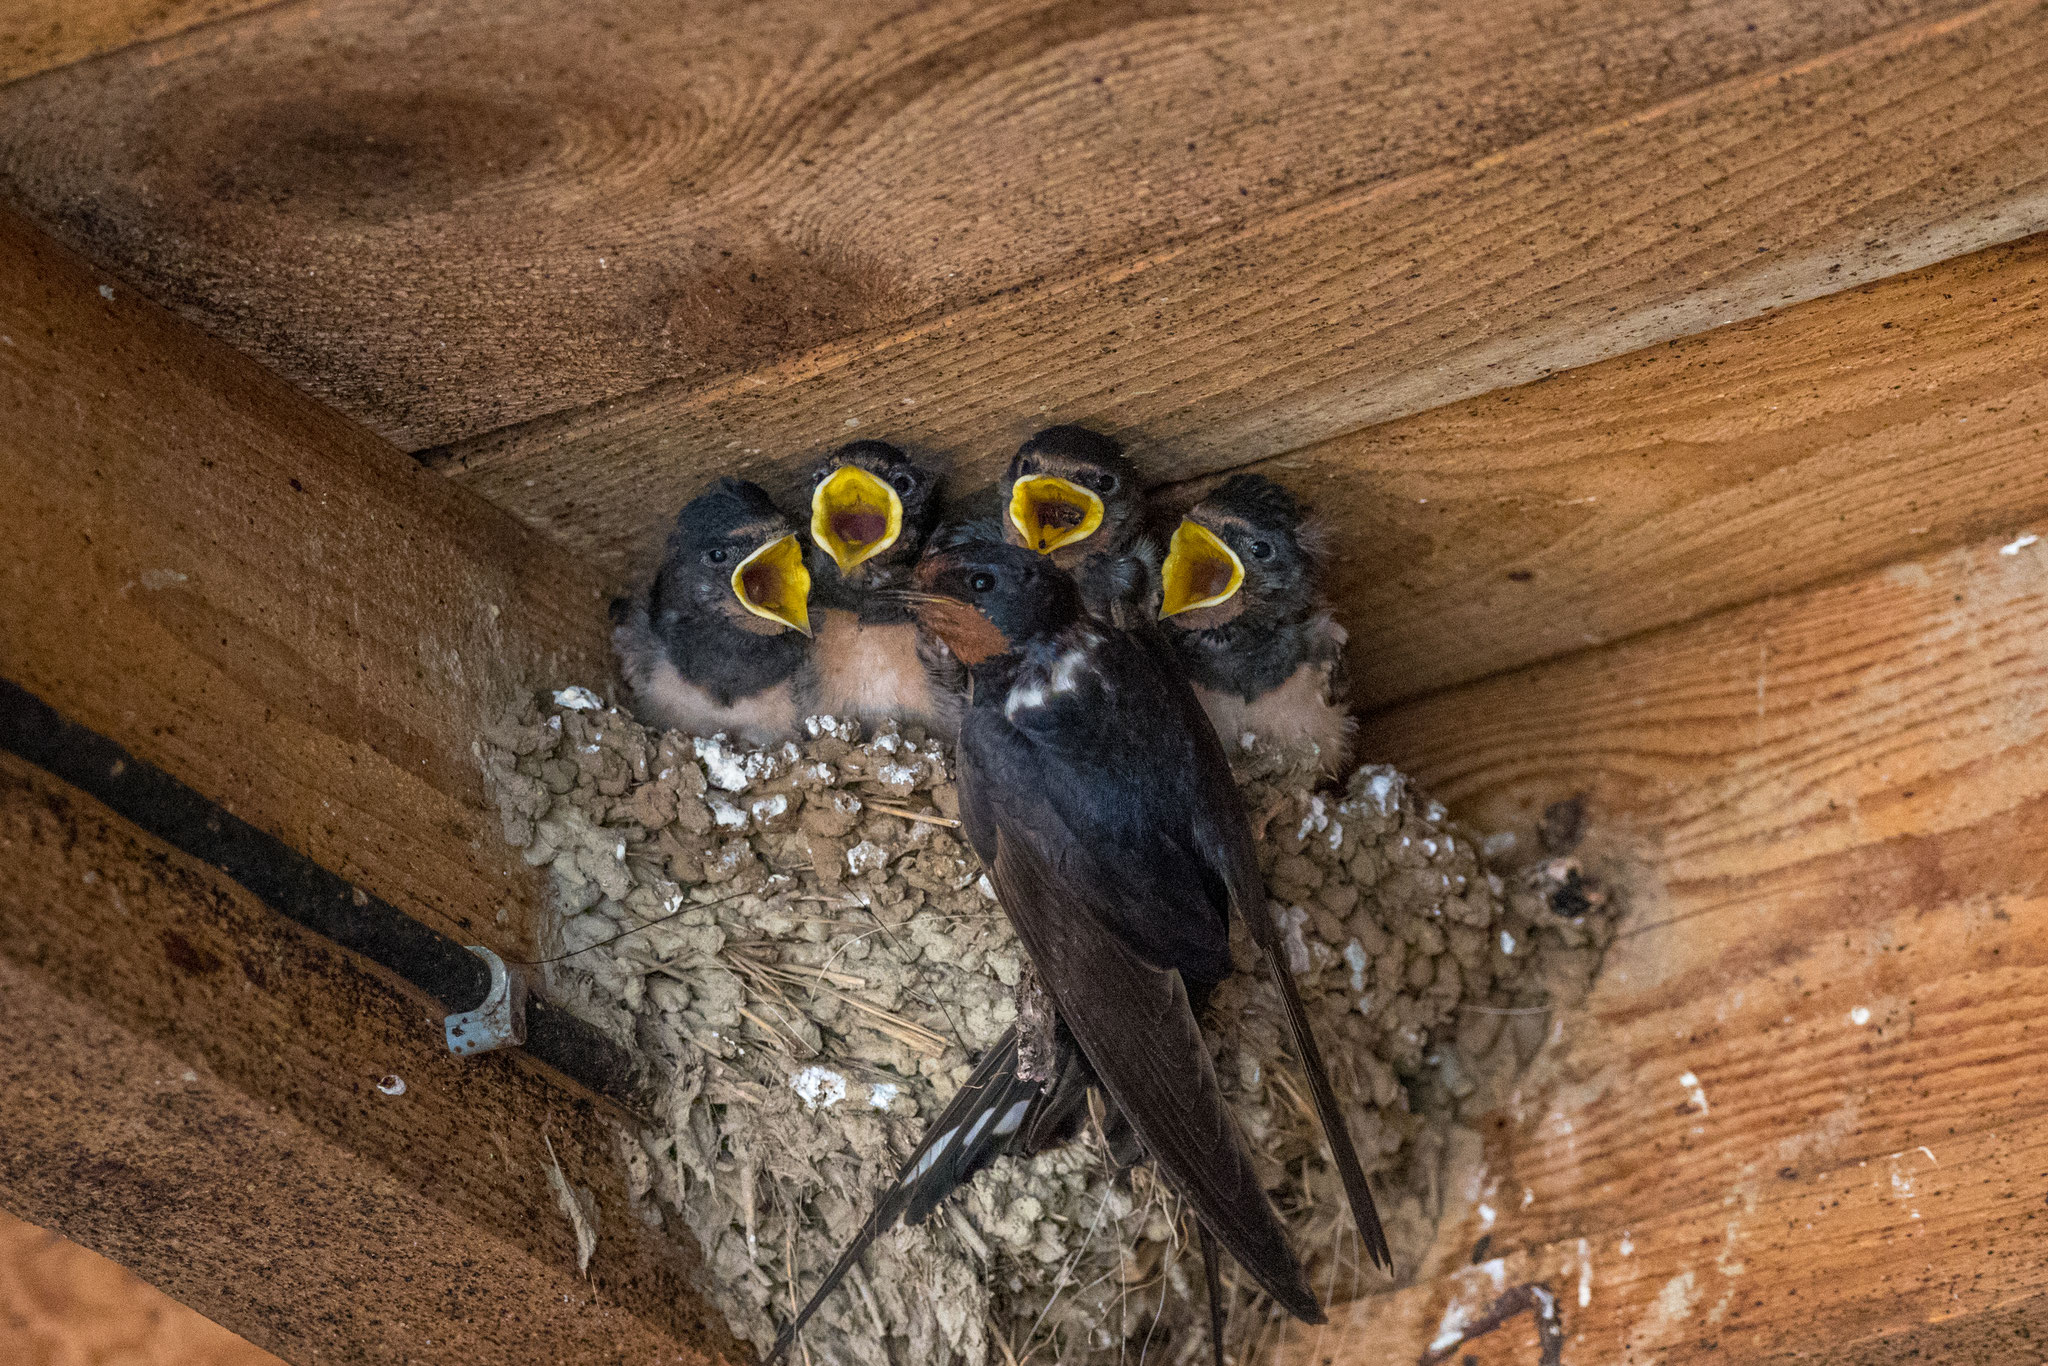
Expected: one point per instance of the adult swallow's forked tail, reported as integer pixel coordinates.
(994, 1112)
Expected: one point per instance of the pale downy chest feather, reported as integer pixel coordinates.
(1298, 710)
(663, 697)
(875, 672)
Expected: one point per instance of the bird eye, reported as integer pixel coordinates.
(714, 556)
(1262, 550)
(1103, 483)
(902, 481)
(981, 581)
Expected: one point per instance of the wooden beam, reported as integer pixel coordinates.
(211, 1096)
(1798, 1115)
(62, 1304)
(447, 219)
(1820, 441)
(292, 618)
(43, 35)
(262, 599)
(1831, 1267)
(1906, 149)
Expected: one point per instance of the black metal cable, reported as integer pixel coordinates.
(293, 885)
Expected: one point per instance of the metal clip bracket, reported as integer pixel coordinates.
(500, 1022)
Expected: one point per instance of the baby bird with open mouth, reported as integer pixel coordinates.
(1072, 495)
(871, 509)
(718, 640)
(1242, 607)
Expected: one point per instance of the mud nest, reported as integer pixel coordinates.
(815, 959)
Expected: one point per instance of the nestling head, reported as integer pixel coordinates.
(735, 554)
(1069, 493)
(871, 508)
(1245, 548)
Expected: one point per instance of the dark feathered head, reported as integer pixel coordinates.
(986, 598)
(1071, 493)
(733, 552)
(1245, 548)
(871, 508)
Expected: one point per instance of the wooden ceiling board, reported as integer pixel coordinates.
(42, 35)
(1796, 1116)
(445, 218)
(1818, 441)
(61, 1305)
(1906, 150)
(264, 600)
(591, 254)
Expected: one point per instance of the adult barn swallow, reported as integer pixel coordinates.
(717, 640)
(1241, 605)
(1099, 798)
(871, 510)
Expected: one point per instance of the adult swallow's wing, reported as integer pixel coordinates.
(1219, 836)
(1143, 774)
(1133, 1024)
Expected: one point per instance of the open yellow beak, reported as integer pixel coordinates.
(855, 516)
(1050, 512)
(1200, 570)
(773, 583)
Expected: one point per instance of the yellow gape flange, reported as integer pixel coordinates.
(1200, 570)
(772, 583)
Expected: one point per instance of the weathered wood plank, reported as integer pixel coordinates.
(450, 217)
(1818, 441)
(1827, 810)
(1904, 150)
(61, 1305)
(42, 35)
(191, 1087)
(255, 595)
(1844, 1264)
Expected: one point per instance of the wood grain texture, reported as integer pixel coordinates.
(1819, 441)
(191, 1087)
(1828, 811)
(42, 35)
(1831, 1267)
(1905, 150)
(264, 600)
(61, 1305)
(445, 218)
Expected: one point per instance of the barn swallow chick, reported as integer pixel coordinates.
(718, 640)
(1064, 486)
(1072, 495)
(1240, 603)
(871, 509)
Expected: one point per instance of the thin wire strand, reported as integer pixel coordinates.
(663, 920)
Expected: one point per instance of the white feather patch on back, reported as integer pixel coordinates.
(1057, 680)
